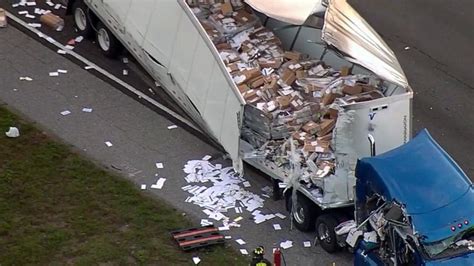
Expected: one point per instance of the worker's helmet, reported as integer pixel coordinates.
(259, 250)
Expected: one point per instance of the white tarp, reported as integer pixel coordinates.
(344, 29)
(290, 11)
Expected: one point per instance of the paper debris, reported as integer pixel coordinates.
(279, 215)
(30, 16)
(206, 158)
(205, 222)
(34, 25)
(159, 165)
(407, 48)
(246, 184)
(57, 6)
(286, 244)
(307, 244)
(238, 219)
(49, 3)
(228, 237)
(238, 209)
(26, 78)
(79, 39)
(31, 3)
(196, 260)
(15, 5)
(172, 127)
(24, 12)
(69, 47)
(88, 67)
(62, 71)
(87, 110)
(159, 184)
(108, 143)
(125, 72)
(277, 227)
(13, 132)
(53, 74)
(244, 252)
(240, 241)
(125, 60)
(143, 186)
(224, 228)
(65, 112)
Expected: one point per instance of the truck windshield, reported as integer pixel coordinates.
(458, 244)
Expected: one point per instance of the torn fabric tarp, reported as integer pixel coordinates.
(346, 30)
(290, 11)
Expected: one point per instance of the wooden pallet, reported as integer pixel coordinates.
(198, 237)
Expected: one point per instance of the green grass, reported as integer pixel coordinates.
(58, 208)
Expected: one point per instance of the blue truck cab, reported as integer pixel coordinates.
(414, 206)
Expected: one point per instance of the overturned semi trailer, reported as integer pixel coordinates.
(203, 53)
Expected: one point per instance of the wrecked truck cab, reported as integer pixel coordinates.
(414, 206)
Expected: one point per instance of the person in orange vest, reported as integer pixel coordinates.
(258, 259)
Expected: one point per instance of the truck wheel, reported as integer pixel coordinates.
(82, 20)
(304, 214)
(325, 225)
(108, 43)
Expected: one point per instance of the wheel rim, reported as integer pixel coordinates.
(80, 19)
(323, 233)
(104, 41)
(299, 214)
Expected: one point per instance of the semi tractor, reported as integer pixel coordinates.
(167, 38)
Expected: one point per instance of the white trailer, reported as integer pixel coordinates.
(167, 39)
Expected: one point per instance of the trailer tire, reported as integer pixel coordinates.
(82, 19)
(108, 43)
(325, 225)
(304, 215)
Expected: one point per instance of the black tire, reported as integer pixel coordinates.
(83, 21)
(305, 214)
(325, 225)
(111, 46)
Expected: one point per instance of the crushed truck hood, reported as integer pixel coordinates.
(343, 29)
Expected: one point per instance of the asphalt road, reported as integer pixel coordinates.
(438, 65)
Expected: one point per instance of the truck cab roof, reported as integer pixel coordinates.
(422, 177)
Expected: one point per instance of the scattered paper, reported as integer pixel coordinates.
(246, 184)
(62, 71)
(13, 132)
(87, 110)
(57, 6)
(50, 3)
(244, 252)
(53, 74)
(34, 25)
(172, 127)
(125, 60)
(407, 48)
(88, 67)
(79, 39)
(108, 143)
(31, 3)
(125, 72)
(205, 222)
(143, 186)
(206, 158)
(307, 244)
(224, 228)
(65, 112)
(24, 12)
(279, 215)
(277, 227)
(159, 165)
(30, 16)
(238, 219)
(240, 241)
(15, 5)
(26, 78)
(196, 260)
(159, 184)
(286, 244)
(228, 237)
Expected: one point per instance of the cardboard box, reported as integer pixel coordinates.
(326, 126)
(52, 21)
(288, 77)
(243, 88)
(311, 127)
(352, 90)
(328, 98)
(256, 82)
(292, 55)
(284, 101)
(300, 74)
(265, 63)
(3, 18)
